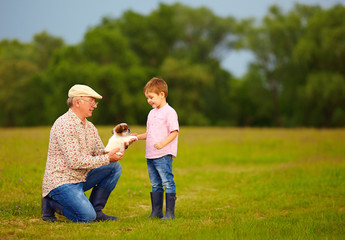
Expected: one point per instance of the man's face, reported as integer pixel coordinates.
(87, 105)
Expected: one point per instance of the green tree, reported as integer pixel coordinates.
(322, 46)
(273, 44)
(190, 41)
(105, 45)
(22, 89)
(16, 93)
(187, 84)
(321, 53)
(251, 98)
(324, 99)
(44, 47)
(297, 77)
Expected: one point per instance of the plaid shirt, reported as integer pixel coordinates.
(74, 149)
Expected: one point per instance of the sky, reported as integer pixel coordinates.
(70, 19)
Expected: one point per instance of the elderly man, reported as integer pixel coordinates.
(76, 163)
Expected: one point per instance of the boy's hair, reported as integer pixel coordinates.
(156, 85)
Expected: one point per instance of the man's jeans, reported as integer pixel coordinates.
(72, 197)
(160, 173)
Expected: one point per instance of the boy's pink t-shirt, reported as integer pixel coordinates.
(160, 123)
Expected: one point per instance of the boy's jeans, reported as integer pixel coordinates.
(160, 173)
(72, 197)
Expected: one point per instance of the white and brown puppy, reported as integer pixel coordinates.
(120, 139)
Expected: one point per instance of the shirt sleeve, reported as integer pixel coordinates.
(172, 121)
(99, 146)
(70, 145)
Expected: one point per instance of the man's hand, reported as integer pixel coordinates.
(115, 155)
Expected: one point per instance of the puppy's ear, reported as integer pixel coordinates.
(118, 129)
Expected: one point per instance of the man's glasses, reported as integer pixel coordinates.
(94, 103)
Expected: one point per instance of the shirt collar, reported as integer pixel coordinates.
(159, 109)
(75, 118)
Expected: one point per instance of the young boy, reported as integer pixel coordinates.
(161, 137)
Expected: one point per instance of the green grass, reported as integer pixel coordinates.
(232, 183)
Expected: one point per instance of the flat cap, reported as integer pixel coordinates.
(80, 90)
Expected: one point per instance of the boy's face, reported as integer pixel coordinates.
(155, 100)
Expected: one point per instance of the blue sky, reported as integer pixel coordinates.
(70, 19)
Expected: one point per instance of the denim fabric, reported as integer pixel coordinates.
(72, 197)
(105, 177)
(160, 173)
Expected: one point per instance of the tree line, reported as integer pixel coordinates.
(297, 77)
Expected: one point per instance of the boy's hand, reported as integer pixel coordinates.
(140, 136)
(158, 145)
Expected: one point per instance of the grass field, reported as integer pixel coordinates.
(232, 183)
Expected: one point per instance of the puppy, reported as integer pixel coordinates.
(120, 139)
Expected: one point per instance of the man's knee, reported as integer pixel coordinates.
(85, 216)
(80, 210)
(117, 168)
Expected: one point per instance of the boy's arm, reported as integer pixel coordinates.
(166, 141)
(141, 136)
